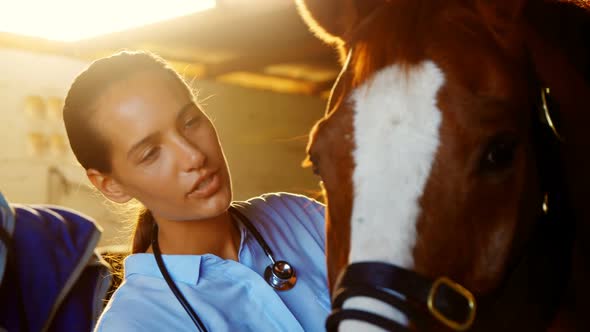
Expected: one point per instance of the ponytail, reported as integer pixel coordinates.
(142, 235)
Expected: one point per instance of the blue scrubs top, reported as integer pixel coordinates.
(229, 295)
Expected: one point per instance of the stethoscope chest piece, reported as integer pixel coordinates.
(280, 276)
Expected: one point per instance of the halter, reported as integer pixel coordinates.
(443, 304)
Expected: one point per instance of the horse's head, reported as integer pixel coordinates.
(429, 152)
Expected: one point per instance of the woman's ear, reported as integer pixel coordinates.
(108, 186)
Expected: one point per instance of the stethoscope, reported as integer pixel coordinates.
(280, 275)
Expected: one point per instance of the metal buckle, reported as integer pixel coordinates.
(457, 326)
(547, 114)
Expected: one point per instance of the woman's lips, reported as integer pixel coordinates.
(205, 186)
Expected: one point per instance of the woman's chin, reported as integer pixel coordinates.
(216, 204)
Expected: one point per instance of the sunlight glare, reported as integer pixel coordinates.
(71, 20)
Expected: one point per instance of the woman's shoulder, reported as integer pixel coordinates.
(112, 320)
(287, 203)
(272, 211)
(121, 311)
(131, 308)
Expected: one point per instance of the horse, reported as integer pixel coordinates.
(453, 156)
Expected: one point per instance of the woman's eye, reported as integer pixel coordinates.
(315, 169)
(311, 161)
(150, 155)
(499, 155)
(191, 122)
(314, 165)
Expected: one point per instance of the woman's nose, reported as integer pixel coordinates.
(190, 156)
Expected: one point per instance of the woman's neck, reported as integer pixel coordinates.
(218, 236)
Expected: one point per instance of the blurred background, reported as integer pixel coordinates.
(261, 76)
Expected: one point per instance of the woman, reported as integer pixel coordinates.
(135, 127)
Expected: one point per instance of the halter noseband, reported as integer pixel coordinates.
(425, 302)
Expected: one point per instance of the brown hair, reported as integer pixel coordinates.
(91, 149)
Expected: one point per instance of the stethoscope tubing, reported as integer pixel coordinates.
(162, 267)
(244, 220)
(187, 307)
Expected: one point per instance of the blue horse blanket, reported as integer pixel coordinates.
(51, 277)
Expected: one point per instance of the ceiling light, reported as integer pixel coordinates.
(71, 20)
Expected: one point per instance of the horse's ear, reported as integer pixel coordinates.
(503, 11)
(333, 20)
(501, 16)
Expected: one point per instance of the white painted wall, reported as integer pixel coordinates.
(263, 134)
(24, 178)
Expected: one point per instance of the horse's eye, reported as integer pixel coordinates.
(499, 155)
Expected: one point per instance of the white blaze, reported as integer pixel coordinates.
(396, 128)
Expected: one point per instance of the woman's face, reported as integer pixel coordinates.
(164, 149)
